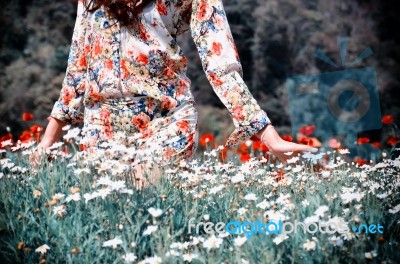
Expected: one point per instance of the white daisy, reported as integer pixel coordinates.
(42, 249)
(280, 238)
(58, 196)
(189, 257)
(264, 204)
(344, 151)
(336, 241)
(151, 260)
(129, 257)
(113, 242)
(321, 210)
(237, 178)
(325, 174)
(212, 242)
(59, 210)
(309, 245)
(216, 189)
(239, 241)
(73, 197)
(250, 197)
(155, 212)
(242, 210)
(150, 229)
(395, 210)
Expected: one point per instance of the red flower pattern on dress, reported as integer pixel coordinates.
(141, 120)
(216, 48)
(162, 9)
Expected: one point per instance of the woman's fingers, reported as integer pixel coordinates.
(34, 158)
(303, 148)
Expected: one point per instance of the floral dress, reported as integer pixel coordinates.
(134, 80)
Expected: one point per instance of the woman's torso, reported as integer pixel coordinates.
(144, 59)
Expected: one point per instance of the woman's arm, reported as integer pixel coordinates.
(220, 60)
(69, 107)
(52, 134)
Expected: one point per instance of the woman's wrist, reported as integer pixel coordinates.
(260, 134)
(45, 144)
(269, 126)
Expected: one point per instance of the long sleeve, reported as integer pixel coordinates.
(220, 60)
(68, 107)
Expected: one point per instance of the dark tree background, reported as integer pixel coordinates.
(275, 38)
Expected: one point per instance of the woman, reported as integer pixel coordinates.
(126, 73)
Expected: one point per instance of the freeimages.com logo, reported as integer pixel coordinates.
(342, 102)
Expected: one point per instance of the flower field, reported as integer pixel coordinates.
(71, 209)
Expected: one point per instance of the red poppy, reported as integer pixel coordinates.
(304, 140)
(5, 138)
(287, 138)
(376, 144)
(334, 143)
(36, 129)
(392, 141)
(280, 175)
(362, 140)
(245, 157)
(242, 148)
(310, 141)
(256, 145)
(254, 137)
(307, 130)
(206, 138)
(27, 116)
(65, 150)
(222, 153)
(387, 119)
(360, 161)
(264, 148)
(26, 136)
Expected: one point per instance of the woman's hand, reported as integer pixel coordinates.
(279, 146)
(35, 157)
(51, 135)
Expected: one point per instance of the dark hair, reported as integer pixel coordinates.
(122, 10)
